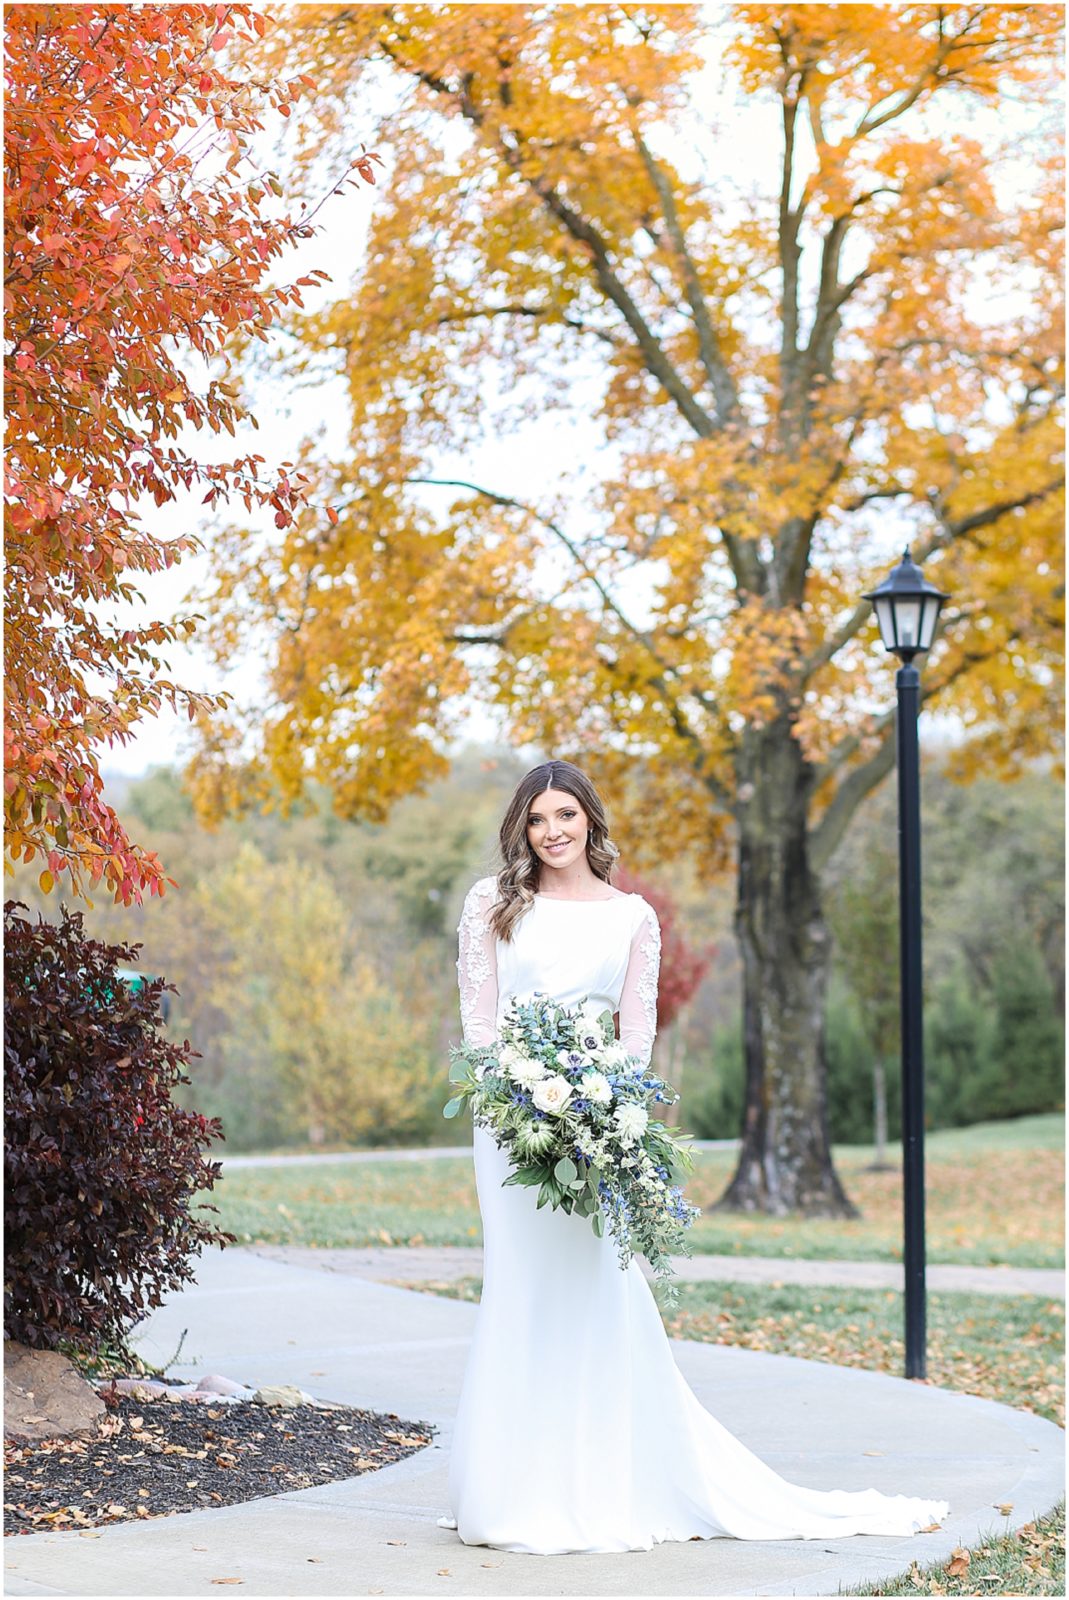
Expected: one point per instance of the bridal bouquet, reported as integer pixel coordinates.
(576, 1115)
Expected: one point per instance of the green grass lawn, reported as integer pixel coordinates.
(1030, 1561)
(994, 1195)
(1009, 1348)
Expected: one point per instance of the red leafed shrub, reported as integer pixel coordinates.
(100, 1165)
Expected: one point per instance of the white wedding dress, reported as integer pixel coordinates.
(575, 1429)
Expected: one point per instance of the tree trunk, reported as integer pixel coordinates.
(879, 1090)
(785, 1160)
(670, 1068)
(879, 1162)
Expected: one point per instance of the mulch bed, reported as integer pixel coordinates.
(155, 1458)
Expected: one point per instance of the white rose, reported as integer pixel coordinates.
(615, 1055)
(552, 1094)
(508, 1055)
(595, 1086)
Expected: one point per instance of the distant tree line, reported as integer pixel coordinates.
(315, 960)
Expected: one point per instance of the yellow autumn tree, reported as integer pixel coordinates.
(790, 384)
(308, 1035)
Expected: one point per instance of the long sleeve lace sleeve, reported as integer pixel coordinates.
(638, 998)
(477, 965)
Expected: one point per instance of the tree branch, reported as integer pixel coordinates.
(824, 838)
(989, 514)
(583, 232)
(550, 313)
(789, 254)
(712, 359)
(871, 121)
(951, 531)
(847, 746)
(658, 682)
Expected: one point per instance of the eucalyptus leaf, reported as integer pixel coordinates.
(599, 1223)
(566, 1170)
(451, 1107)
(526, 1176)
(458, 1071)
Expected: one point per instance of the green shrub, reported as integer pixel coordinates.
(1029, 1045)
(961, 1067)
(981, 1061)
(712, 1099)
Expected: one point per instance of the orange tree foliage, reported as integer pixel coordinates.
(785, 385)
(135, 233)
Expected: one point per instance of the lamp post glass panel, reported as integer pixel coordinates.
(907, 609)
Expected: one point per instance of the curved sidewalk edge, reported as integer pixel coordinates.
(370, 1344)
(446, 1263)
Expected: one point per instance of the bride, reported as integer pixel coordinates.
(575, 1429)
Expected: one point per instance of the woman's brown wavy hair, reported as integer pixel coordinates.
(517, 880)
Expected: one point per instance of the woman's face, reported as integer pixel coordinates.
(557, 828)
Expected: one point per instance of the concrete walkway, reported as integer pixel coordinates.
(407, 1264)
(343, 1337)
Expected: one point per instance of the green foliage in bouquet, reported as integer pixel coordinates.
(576, 1115)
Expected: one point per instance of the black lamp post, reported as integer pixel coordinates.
(907, 609)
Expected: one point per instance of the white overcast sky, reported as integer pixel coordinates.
(521, 464)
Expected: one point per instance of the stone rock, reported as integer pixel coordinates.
(46, 1397)
(283, 1395)
(181, 1391)
(229, 1388)
(136, 1388)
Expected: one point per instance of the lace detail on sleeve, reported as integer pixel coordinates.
(477, 965)
(638, 999)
